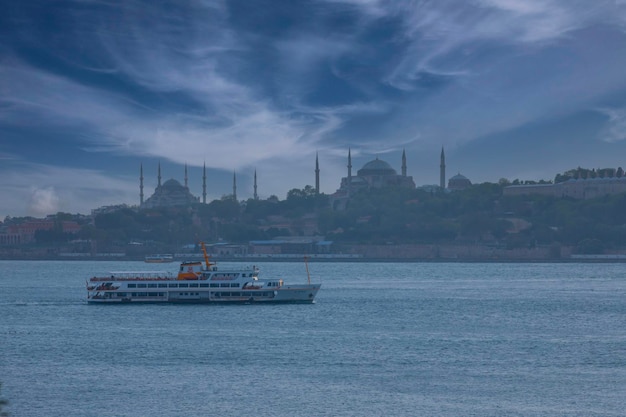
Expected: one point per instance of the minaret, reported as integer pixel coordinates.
(349, 171)
(317, 174)
(204, 183)
(186, 180)
(141, 184)
(256, 196)
(403, 163)
(234, 186)
(159, 177)
(442, 170)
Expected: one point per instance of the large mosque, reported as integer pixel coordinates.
(379, 174)
(172, 193)
(169, 194)
(374, 174)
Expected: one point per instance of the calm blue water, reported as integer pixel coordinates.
(383, 339)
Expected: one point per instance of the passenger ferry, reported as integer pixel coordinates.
(195, 284)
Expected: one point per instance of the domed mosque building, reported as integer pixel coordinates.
(374, 174)
(169, 194)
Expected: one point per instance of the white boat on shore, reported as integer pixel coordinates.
(159, 259)
(195, 284)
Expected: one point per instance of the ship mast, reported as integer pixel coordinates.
(306, 264)
(206, 257)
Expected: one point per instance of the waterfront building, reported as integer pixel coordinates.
(574, 188)
(26, 231)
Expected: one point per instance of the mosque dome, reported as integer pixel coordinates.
(459, 182)
(459, 177)
(376, 167)
(172, 185)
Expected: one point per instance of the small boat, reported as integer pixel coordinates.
(158, 259)
(197, 284)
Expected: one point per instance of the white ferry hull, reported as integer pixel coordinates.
(304, 294)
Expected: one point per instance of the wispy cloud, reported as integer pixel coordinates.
(32, 94)
(442, 34)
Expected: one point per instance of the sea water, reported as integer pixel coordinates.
(382, 339)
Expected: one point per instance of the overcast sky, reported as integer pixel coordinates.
(91, 89)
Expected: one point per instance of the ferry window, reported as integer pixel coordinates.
(141, 285)
(152, 285)
(162, 285)
(183, 285)
(142, 294)
(134, 294)
(193, 285)
(121, 294)
(204, 285)
(173, 285)
(215, 285)
(224, 285)
(132, 285)
(243, 275)
(234, 285)
(235, 294)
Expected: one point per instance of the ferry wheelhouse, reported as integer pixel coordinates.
(195, 284)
